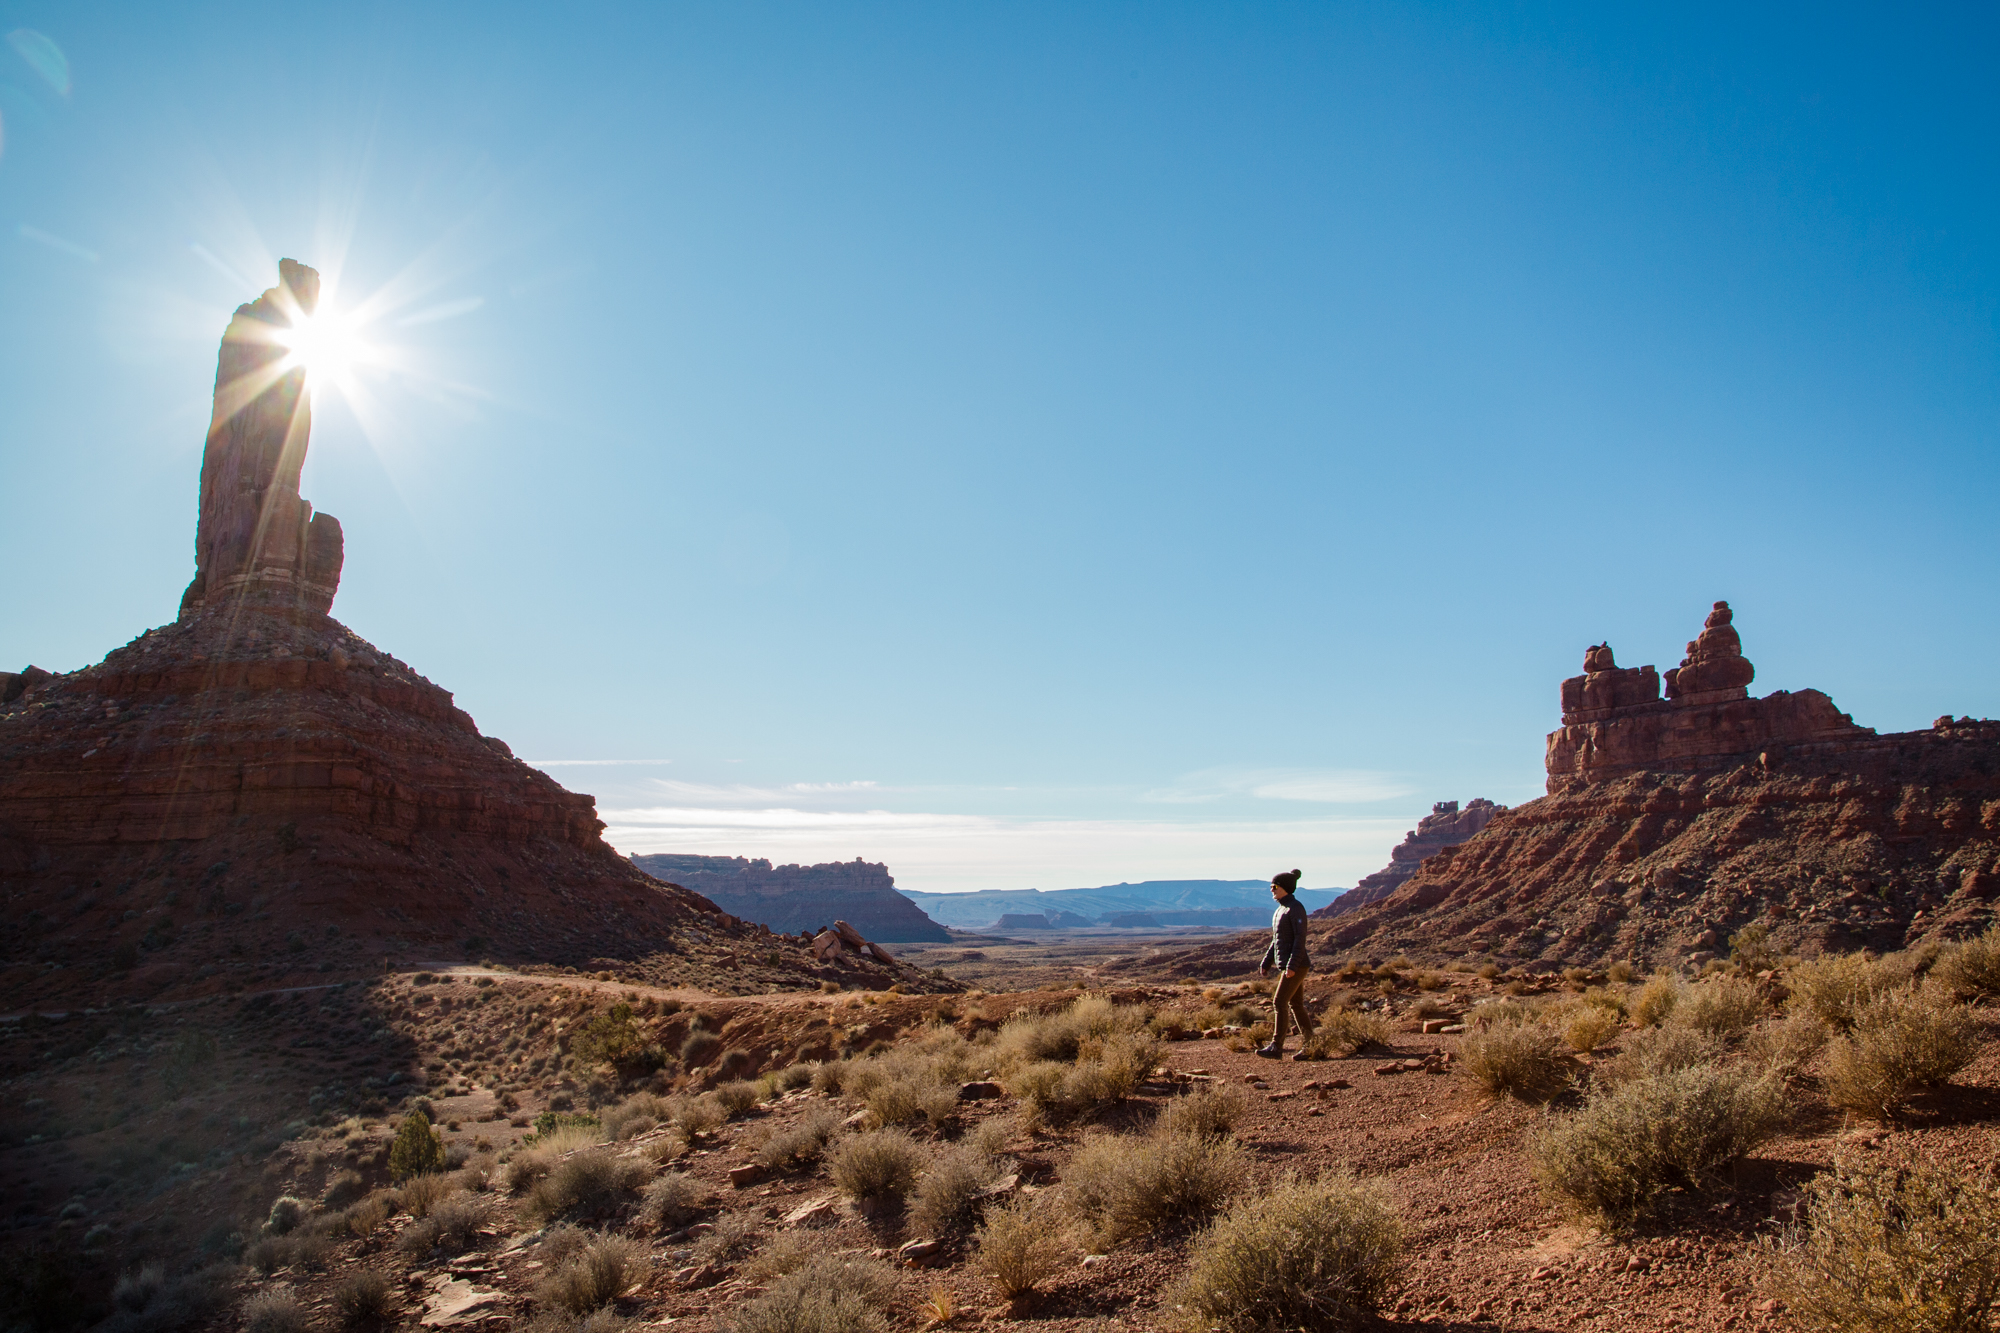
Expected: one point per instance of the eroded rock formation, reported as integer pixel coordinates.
(793, 898)
(256, 540)
(1445, 826)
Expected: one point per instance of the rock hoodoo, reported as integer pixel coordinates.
(256, 539)
(1445, 826)
(1672, 823)
(255, 791)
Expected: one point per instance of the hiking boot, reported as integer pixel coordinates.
(1271, 1052)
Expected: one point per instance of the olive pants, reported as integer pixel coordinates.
(1289, 999)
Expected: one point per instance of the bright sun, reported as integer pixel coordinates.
(329, 347)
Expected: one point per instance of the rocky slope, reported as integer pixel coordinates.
(1672, 823)
(254, 792)
(794, 898)
(1445, 826)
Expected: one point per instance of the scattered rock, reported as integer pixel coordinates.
(459, 1302)
(921, 1253)
(826, 1208)
(741, 1176)
(979, 1091)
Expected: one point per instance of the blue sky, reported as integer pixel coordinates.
(1035, 445)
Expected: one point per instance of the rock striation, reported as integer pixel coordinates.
(794, 898)
(1445, 826)
(254, 791)
(1672, 823)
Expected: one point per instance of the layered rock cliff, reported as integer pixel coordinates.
(254, 792)
(1671, 823)
(1445, 826)
(794, 898)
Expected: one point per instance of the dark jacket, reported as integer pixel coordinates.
(1288, 937)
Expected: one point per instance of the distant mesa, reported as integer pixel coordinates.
(1445, 826)
(255, 795)
(1229, 904)
(794, 898)
(1022, 921)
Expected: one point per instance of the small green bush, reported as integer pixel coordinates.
(593, 1276)
(1893, 1246)
(287, 1211)
(1314, 1255)
(1615, 1158)
(1019, 1246)
(418, 1149)
(1514, 1060)
(824, 1294)
(878, 1168)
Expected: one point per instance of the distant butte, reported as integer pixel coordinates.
(254, 794)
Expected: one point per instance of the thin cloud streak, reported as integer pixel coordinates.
(1329, 786)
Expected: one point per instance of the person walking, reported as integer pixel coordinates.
(1288, 955)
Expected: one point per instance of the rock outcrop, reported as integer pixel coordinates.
(255, 792)
(1671, 824)
(1445, 826)
(794, 898)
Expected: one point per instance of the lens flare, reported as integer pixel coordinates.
(330, 346)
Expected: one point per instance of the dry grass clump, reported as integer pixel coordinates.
(673, 1200)
(635, 1115)
(1030, 1037)
(1970, 969)
(1835, 987)
(1515, 1060)
(1902, 1246)
(1585, 1027)
(276, 1311)
(801, 1145)
(593, 1276)
(1660, 1050)
(1212, 1016)
(1019, 1246)
(1901, 1041)
(1722, 1006)
(1122, 1186)
(287, 1211)
(736, 1236)
(1342, 1032)
(1656, 1000)
(1616, 1157)
(950, 1197)
(737, 1096)
(877, 1168)
(584, 1183)
(363, 1300)
(1785, 1046)
(915, 1081)
(1209, 1112)
(450, 1227)
(1107, 1071)
(146, 1300)
(825, 1294)
(420, 1194)
(1314, 1255)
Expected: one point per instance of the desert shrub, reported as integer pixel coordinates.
(586, 1182)
(736, 1097)
(948, 1196)
(787, 1252)
(309, 1248)
(287, 1211)
(1616, 1157)
(565, 1131)
(878, 1167)
(1656, 1000)
(143, 1300)
(1019, 1246)
(1893, 1246)
(635, 1115)
(735, 1236)
(1496, 1012)
(1342, 1032)
(827, 1077)
(593, 1275)
(1123, 1186)
(363, 1300)
(1901, 1041)
(364, 1217)
(1750, 948)
(1106, 1071)
(672, 1200)
(825, 1294)
(1488, 971)
(1208, 1112)
(426, 1192)
(801, 1145)
(1660, 1050)
(1785, 1046)
(417, 1150)
(699, 1049)
(696, 1116)
(1722, 1006)
(793, 1077)
(267, 1254)
(1834, 987)
(901, 1100)
(1619, 973)
(1214, 1016)
(1970, 969)
(1124, 1060)
(1030, 1037)
(1514, 1059)
(616, 1039)
(1585, 1027)
(276, 1311)
(1309, 1255)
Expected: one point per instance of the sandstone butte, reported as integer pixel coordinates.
(1673, 820)
(1445, 826)
(253, 795)
(794, 898)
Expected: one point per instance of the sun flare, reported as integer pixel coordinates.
(330, 346)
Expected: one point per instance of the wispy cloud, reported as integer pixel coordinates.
(590, 763)
(54, 242)
(1329, 786)
(739, 793)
